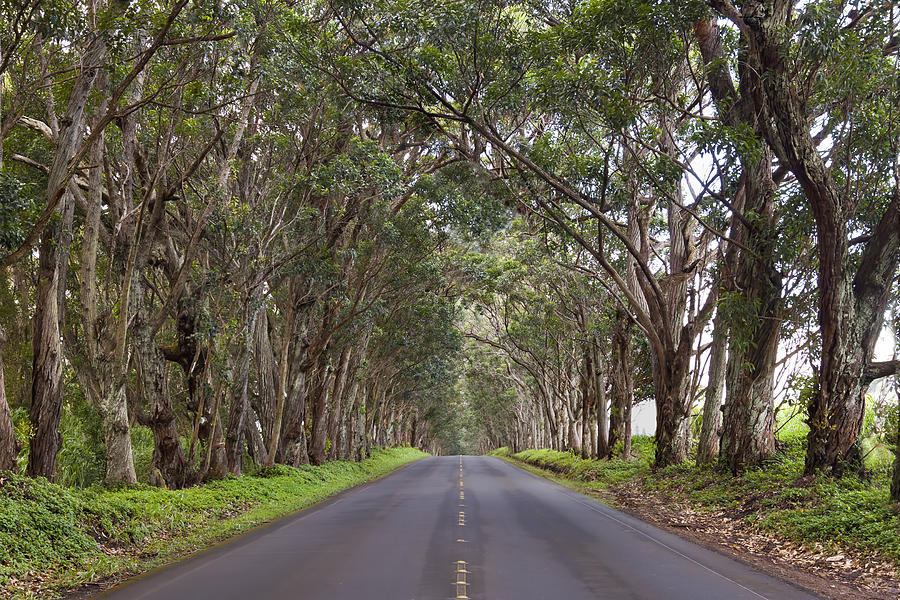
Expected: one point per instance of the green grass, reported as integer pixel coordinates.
(845, 512)
(53, 538)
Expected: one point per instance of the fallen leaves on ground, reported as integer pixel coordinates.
(837, 573)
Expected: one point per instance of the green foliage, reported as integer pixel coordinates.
(80, 461)
(603, 473)
(142, 451)
(71, 535)
(17, 207)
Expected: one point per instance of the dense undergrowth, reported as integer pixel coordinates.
(53, 537)
(845, 512)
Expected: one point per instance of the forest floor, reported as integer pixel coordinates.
(57, 541)
(837, 538)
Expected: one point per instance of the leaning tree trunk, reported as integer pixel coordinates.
(851, 313)
(851, 316)
(9, 446)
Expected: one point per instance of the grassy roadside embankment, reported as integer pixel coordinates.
(842, 528)
(54, 538)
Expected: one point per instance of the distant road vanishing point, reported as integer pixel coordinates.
(456, 528)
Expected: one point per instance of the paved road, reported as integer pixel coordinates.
(447, 528)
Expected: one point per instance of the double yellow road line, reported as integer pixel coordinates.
(461, 571)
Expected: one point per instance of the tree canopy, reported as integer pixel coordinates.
(262, 232)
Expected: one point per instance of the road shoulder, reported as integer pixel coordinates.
(133, 531)
(780, 558)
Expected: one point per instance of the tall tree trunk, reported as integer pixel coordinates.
(319, 413)
(752, 280)
(602, 418)
(104, 341)
(256, 447)
(49, 310)
(348, 418)
(46, 388)
(360, 449)
(9, 446)
(586, 405)
(216, 463)
(116, 433)
(895, 481)
(754, 321)
(672, 361)
(237, 412)
(622, 386)
(337, 399)
(708, 446)
(265, 400)
(293, 438)
(602, 403)
(290, 361)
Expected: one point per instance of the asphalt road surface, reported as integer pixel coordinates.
(451, 527)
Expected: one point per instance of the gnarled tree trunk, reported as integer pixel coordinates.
(168, 456)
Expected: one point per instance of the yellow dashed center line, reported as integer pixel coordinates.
(461, 582)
